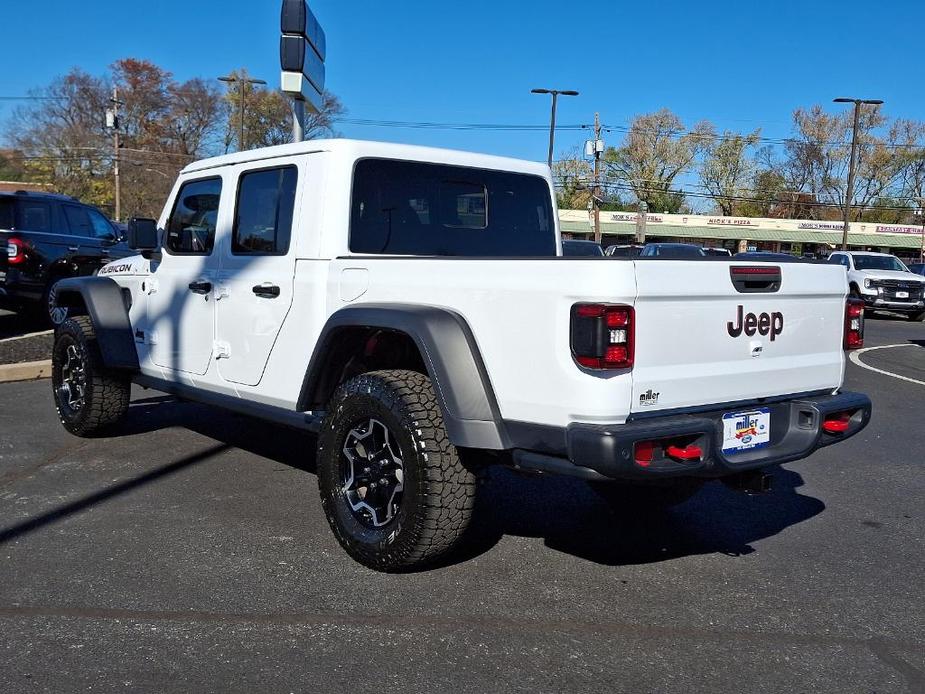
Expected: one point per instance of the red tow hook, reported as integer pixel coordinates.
(689, 452)
(837, 423)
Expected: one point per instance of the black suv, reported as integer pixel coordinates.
(49, 237)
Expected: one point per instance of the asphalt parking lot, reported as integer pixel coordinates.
(190, 553)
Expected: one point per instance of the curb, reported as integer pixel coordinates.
(23, 337)
(27, 371)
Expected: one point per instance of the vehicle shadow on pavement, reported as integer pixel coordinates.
(565, 512)
(571, 518)
(15, 324)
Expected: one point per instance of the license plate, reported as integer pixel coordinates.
(902, 295)
(743, 431)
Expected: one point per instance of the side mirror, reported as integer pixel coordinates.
(142, 234)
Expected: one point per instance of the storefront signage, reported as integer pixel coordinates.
(824, 226)
(732, 221)
(631, 217)
(883, 229)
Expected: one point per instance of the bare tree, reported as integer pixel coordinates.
(656, 150)
(728, 167)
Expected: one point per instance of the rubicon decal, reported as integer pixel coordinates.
(749, 323)
(115, 269)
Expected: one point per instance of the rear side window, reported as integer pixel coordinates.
(191, 226)
(263, 218)
(412, 208)
(7, 210)
(34, 216)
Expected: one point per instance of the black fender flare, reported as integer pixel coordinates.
(103, 299)
(451, 356)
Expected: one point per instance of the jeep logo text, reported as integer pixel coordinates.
(749, 323)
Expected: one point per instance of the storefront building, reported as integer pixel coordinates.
(801, 237)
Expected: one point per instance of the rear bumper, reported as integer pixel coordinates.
(607, 451)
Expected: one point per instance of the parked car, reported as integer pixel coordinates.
(623, 251)
(672, 250)
(768, 256)
(49, 237)
(719, 252)
(412, 313)
(917, 268)
(883, 282)
(576, 247)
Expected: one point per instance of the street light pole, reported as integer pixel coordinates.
(552, 118)
(849, 193)
(232, 79)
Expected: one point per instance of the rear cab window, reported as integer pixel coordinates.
(415, 208)
(191, 225)
(263, 214)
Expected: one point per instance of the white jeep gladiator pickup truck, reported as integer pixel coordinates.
(412, 307)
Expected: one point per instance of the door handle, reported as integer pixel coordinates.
(200, 287)
(266, 291)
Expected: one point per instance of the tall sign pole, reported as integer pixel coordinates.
(302, 51)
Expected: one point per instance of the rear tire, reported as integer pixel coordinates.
(647, 496)
(393, 487)
(88, 396)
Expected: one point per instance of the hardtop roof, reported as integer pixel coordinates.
(359, 149)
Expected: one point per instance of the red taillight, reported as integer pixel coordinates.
(837, 423)
(854, 324)
(602, 336)
(15, 251)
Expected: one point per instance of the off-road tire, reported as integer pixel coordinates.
(106, 392)
(436, 506)
(641, 497)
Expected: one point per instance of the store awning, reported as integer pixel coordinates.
(749, 233)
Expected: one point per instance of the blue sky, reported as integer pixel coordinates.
(739, 64)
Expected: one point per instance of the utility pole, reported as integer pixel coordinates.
(242, 86)
(552, 119)
(596, 195)
(112, 122)
(852, 162)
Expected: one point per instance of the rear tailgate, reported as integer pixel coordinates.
(700, 341)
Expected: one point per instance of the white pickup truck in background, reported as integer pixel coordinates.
(883, 282)
(412, 307)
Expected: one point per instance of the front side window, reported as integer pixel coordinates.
(414, 208)
(102, 229)
(34, 216)
(191, 226)
(78, 221)
(263, 218)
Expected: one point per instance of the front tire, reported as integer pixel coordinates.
(88, 396)
(393, 487)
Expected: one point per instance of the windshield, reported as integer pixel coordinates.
(878, 262)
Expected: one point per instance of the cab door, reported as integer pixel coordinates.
(255, 282)
(180, 301)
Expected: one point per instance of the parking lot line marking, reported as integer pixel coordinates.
(23, 337)
(855, 357)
